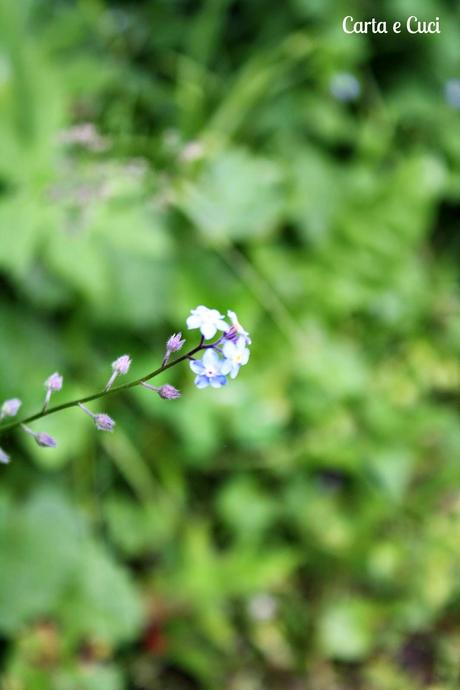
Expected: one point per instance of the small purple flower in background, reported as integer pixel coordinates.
(174, 344)
(52, 384)
(208, 370)
(102, 421)
(209, 321)
(236, 355)
(41, 438)
(86, 135)
(4, 457)
(119, 367)
(10, 408)
(345, 87)
(452, 93)
(167, 392)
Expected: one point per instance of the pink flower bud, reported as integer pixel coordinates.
(122, 364)
(119, 366)
(54, 382)
(174, 344)
(167, 392)
(41, 438)
(104, 422)
(45, 440)
(10, 408)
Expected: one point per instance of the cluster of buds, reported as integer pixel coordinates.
(11, 407)
(221, 359)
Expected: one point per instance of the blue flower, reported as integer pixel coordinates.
(345, 87)
(208, 370)
(209, 321)
(452, 92)
(236, 355)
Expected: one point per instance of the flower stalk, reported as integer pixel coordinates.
(222, 358)
(101, 394)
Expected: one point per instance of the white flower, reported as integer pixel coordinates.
(54, 382)
(236, 355)
(209, 321)
(238, 328)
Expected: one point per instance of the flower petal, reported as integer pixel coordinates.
(235, 371)
(208, 329)
(221, 325)
(202, 382)
(193, 321)
(196, 366)
(229, 349)
(226, 367)
(218, 381)
(244, 357)
(211, 360)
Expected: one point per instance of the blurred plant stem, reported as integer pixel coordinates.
(104, 393)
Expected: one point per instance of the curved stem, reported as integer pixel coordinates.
(101, 394)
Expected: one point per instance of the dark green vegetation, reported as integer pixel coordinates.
(299, 530)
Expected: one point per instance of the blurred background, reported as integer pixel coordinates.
(299, 529)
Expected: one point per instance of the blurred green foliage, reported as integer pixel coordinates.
(299, 529)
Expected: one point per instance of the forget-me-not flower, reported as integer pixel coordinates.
(236, 330)
(452, 92)
(236, 355)
(345, 87)
(209, 321)
(208, 370)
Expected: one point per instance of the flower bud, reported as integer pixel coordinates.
(167, 392)
(41, 438)
(4, 457)
(122, 364)
(10, 408)
(45, 440)
(173, 344)
(104, 422)
(54, 382)
(119, 366)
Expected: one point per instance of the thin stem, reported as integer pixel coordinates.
(101, 394)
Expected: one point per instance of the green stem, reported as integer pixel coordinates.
(101, 394)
